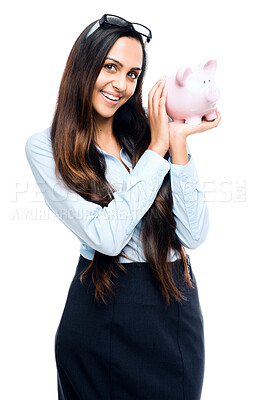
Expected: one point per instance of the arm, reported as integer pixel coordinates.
(106, 229)
(189, 205)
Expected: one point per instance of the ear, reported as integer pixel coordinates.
(209, 66)
(182, 75)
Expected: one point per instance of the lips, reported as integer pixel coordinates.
(110, 97)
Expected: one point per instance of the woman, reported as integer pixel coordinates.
(125, 185)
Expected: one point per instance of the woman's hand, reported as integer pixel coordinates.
(178, 133)
(184, 130)
(158, 119)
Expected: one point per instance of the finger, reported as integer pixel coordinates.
(159, 97)
(203, 126)
(154, 87)
(206, 125)
(218, 117)
(162, 103)
(150, 95)
(216, 121)
(153, 91)
(163, 96)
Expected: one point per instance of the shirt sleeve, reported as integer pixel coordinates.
(105, 229)
(189, 204)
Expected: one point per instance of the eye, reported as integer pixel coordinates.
(133, 75)
(110, 67)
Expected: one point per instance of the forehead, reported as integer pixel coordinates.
(128, 51)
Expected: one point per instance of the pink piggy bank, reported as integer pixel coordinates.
(191, 94)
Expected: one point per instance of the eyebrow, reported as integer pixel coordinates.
(121, 65)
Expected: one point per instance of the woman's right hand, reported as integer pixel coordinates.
(158, 119)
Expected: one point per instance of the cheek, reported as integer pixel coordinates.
(100, 81)
(131, 89)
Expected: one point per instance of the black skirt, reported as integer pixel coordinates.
(133, 347)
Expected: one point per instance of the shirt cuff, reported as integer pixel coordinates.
(151, 163)
(184, 177)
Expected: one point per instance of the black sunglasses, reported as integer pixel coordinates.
(118, 21)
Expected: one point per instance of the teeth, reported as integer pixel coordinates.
(109, 96)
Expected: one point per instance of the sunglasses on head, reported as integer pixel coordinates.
(118, 21)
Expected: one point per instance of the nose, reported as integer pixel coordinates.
(119, 83)
(212, 93)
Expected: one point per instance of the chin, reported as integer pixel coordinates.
(105, 115)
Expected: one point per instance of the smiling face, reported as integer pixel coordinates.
(117, 79)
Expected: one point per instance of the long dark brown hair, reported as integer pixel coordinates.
(82, 166)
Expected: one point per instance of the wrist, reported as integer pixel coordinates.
(178, 149)
(161, 151)
(179, 137)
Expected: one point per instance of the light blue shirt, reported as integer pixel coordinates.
(115, 227)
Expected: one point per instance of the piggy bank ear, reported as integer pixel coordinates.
(209, 66)
(182, 75)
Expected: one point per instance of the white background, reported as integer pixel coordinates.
(39, 255)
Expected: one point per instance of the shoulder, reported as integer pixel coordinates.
(38, 144)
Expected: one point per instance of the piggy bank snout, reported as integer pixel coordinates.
(212, 93)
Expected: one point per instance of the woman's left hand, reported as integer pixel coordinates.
(178, 133)
(183, 130)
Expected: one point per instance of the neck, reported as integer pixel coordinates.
(104, 131)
